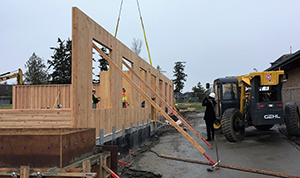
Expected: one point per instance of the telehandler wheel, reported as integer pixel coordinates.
(264, 127)
(231, 125)
(291, 118)
(218, 126)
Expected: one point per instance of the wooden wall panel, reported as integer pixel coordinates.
(76, 98)
(35, 118)
(104, 90)
(41, 96)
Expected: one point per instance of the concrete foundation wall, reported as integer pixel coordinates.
(132, 138)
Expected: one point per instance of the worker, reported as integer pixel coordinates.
(125, 103)
(210, 115)
(95, 99)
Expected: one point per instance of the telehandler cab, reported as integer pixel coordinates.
(252, 100)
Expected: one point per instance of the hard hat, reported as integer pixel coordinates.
(212, 95)
(93, 90)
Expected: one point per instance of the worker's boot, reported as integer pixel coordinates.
(208, 137)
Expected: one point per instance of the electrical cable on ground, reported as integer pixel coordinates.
(228, 166)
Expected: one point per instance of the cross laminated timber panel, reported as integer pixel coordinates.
(84, 32)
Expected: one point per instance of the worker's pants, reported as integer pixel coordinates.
(210, 129)
(94, 105)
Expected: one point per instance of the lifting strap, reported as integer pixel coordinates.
(117, 27)
(137, 2)
(118, 19)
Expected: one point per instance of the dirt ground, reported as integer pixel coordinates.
(137, 171)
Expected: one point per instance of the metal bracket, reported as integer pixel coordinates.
(39, 175)
(14, 175)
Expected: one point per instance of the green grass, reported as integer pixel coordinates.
(193, 105)
(6, 106)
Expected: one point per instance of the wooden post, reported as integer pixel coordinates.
(86, 166)
(24, 172)
(101, 173)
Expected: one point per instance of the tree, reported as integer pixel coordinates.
(103, 64)
(36, 71)
(179, 76)
(136, 46)
(61, 62)
(199, 91)
(198, 88)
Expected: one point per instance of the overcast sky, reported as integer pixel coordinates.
(215, 38)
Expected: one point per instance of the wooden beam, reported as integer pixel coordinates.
(110, 171)
(24, 172)
(101, 172)
(86, 166)
(180, 117)
(187, 136)
(35, 111)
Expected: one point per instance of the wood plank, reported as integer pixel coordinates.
(171, 108)
(188, 137)
(86, 166)
(34, 111)
(24, 172)
(12, 119)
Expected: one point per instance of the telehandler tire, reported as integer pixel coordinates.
(218, 126)
(264, 127)
(291, 117)
(231, 128)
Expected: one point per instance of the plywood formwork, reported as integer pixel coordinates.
(77, 109)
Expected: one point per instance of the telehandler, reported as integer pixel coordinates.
(253, 100)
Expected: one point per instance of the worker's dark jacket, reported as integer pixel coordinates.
(209, 112)
(95, 99)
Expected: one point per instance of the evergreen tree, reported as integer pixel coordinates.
(36, 72)
(179, 76)
(199, 91)
(61, 62)
(198, 88)
(103, 64)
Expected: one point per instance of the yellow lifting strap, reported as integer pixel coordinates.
(137, 2)
(118, 19)
(142, 27)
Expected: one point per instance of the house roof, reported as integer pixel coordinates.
(286, 62)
